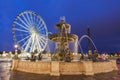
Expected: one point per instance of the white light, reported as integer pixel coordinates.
(16, 45)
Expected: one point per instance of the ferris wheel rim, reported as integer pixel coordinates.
(40, 34)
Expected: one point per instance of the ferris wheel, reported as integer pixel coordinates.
(30, 32)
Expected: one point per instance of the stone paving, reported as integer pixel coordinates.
(28, 76)
(5, 70)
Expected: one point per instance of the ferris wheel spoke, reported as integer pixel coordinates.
(37, 44)
(31, 48)
(29, 19)
(44, 39)
(23, 22)
(43, 36)
(22, 35)
(32, 42)
(21, 25)
(38, 21)
(28, 44)
(41, 43)
(23, 39)
(26, 20)
(39, 47)
(39, 27)
(20, 30)
(42, 30)
(25, 43)
(34, 20)
(39, 24)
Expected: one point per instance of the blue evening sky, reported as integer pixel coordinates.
(102, 17)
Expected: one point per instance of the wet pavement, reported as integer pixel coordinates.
(6, 74)
(27, 76)
(5, 70)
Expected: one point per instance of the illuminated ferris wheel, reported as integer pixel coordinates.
(30, 32)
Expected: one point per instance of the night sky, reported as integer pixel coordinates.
(102, 17)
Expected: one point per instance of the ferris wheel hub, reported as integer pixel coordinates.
(33, 30)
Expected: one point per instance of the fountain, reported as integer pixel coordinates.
(62, 39)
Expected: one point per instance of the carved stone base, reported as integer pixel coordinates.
(55, 68)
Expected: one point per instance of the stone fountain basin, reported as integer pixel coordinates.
(57, 68)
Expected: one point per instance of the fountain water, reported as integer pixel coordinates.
(86, 36)
(76, 46)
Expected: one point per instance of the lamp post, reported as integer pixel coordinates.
(16, 48)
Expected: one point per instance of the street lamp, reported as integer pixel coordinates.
(16, 47)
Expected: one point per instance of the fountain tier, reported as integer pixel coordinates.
(62, 37)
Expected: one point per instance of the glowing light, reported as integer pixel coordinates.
(16, 45)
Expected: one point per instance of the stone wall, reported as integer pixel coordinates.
(71, 68)
(32, 67)
(103, 67)
(88, 68)
(56, 68)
